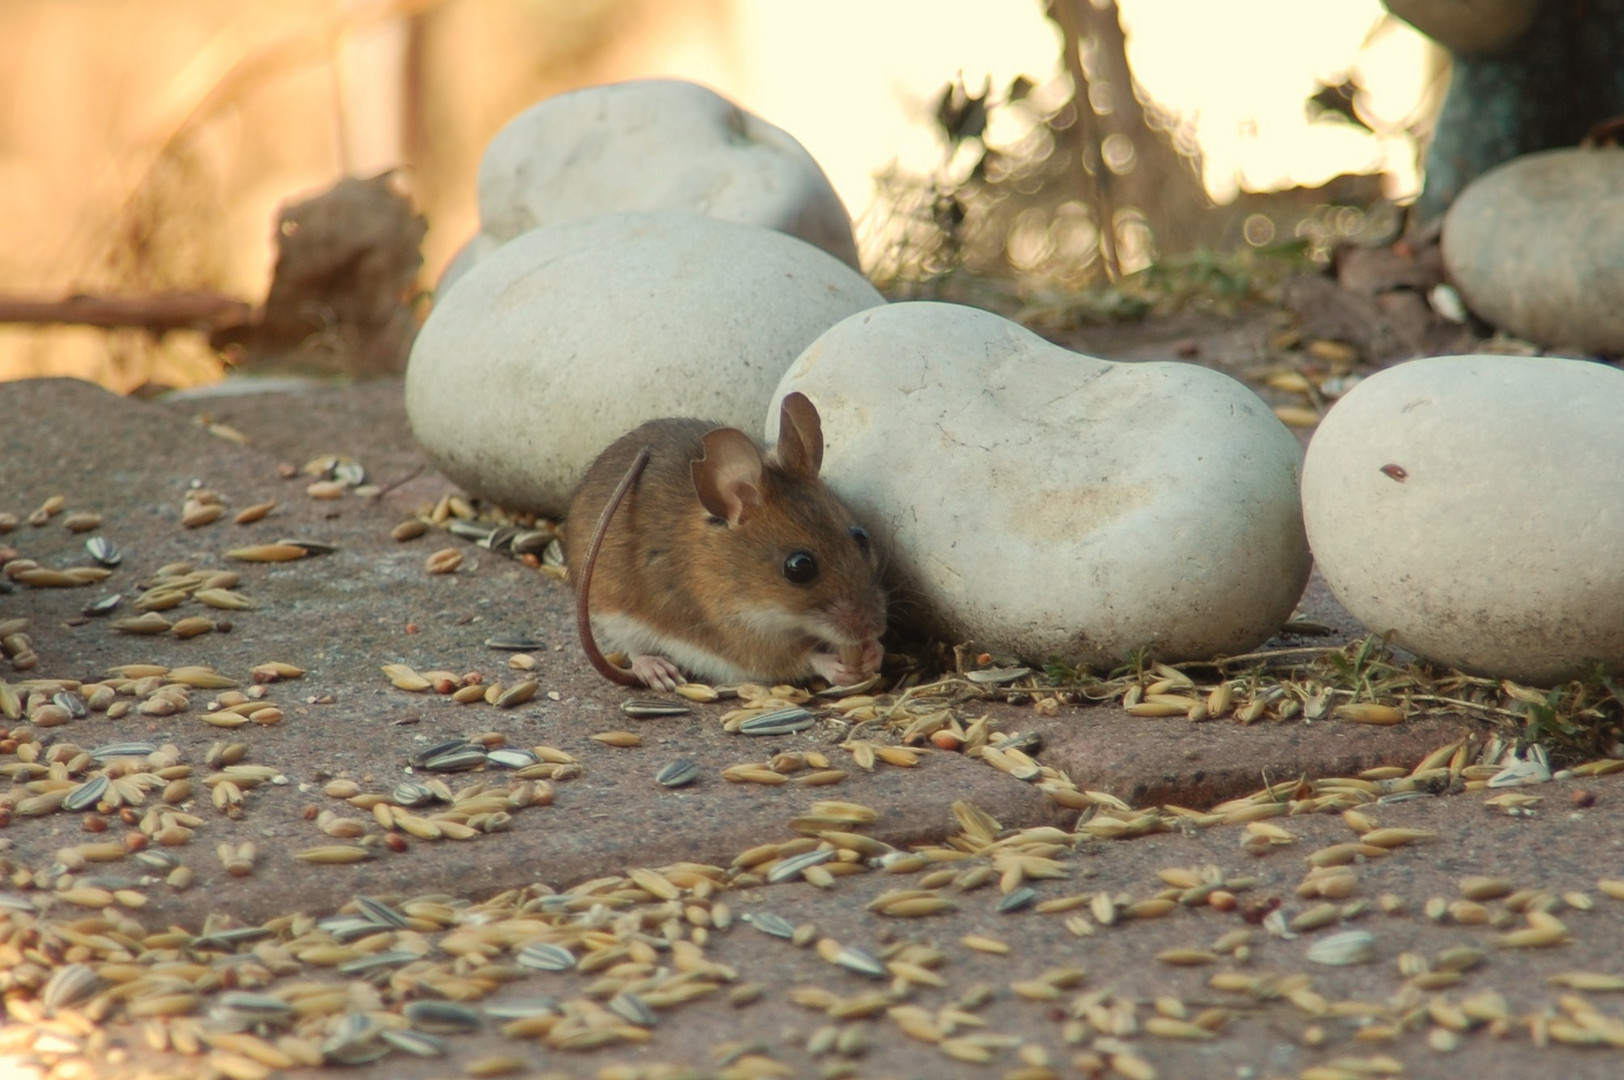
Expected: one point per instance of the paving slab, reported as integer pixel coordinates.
(343, 615)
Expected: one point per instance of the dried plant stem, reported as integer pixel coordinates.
(159, 312)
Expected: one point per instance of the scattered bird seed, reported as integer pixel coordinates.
(1348, 947)
(998, 676)
(508, 757)
(523, 1008)
(309, 547)
(86, 795)
(1016, 899)
(858, 959)
(417, 1043)
(515, 643)
(778, 722)
(545, 956)
(793, 866)
(104, 551)
(647, 708)
(380, 912)
(441, 1017)
(679, 773)
(102, 605)
(633, 1009)
(765, 921)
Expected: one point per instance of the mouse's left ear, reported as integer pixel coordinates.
(800, 437)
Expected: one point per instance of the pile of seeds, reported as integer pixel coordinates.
(405, 975)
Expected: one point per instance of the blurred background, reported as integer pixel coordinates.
(146, 145)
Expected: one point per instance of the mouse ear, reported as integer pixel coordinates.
(728, 477)
(800, 437)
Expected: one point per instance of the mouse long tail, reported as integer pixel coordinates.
(583, 618)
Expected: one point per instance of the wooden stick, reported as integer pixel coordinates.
(158, 312)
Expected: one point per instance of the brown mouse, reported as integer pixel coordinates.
(712, 560)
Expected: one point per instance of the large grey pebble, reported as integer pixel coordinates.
(1536, 247)
(569, 336)
(1474, 505)
(1049, 504)
(650, 144)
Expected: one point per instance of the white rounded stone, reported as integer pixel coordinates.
(1474, 505)
(1533, 245)
(655, 144)
(1048, 504)
(570, 336)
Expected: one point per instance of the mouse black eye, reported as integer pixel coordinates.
(801, 567)
(859, 534)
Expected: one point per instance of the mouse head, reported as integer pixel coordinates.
(791, 542)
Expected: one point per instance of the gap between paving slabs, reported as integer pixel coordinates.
(956, 774)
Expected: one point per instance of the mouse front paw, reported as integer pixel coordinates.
(656, 672)
(839, 673)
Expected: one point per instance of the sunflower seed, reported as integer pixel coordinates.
(515, 643)
(380, 912)
(1348, 947)
(69, 985)
(459, 760)
(86, 795)
(441, 1017)
(311, 547)
(124, 749)
(777, 722)
(531, 542)
(102, 605)
(410, 793)
(523, 1008)
(998, 676)
(508, 757)
(646, 708)
(390, 958)
(354, 1041)
(230, 937)
(499, 540)
(469, 530)
(73, 703)
(103, 551)
(545, 956)
(677, 774)
(796, 864)
(633, 1009)
(858, 959)
(347, 927)
(439, 749)
(417, 1043)
(770, 924)
(257, 1008)
(1016, 900)
(349, 472)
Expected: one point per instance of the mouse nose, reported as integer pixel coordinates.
(858, 621)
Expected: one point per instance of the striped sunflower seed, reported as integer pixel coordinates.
(778, 722)
(647, 708)
(679, 773)
(768, 923)
(104, 551)
(441, 1017)
(545, 956)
